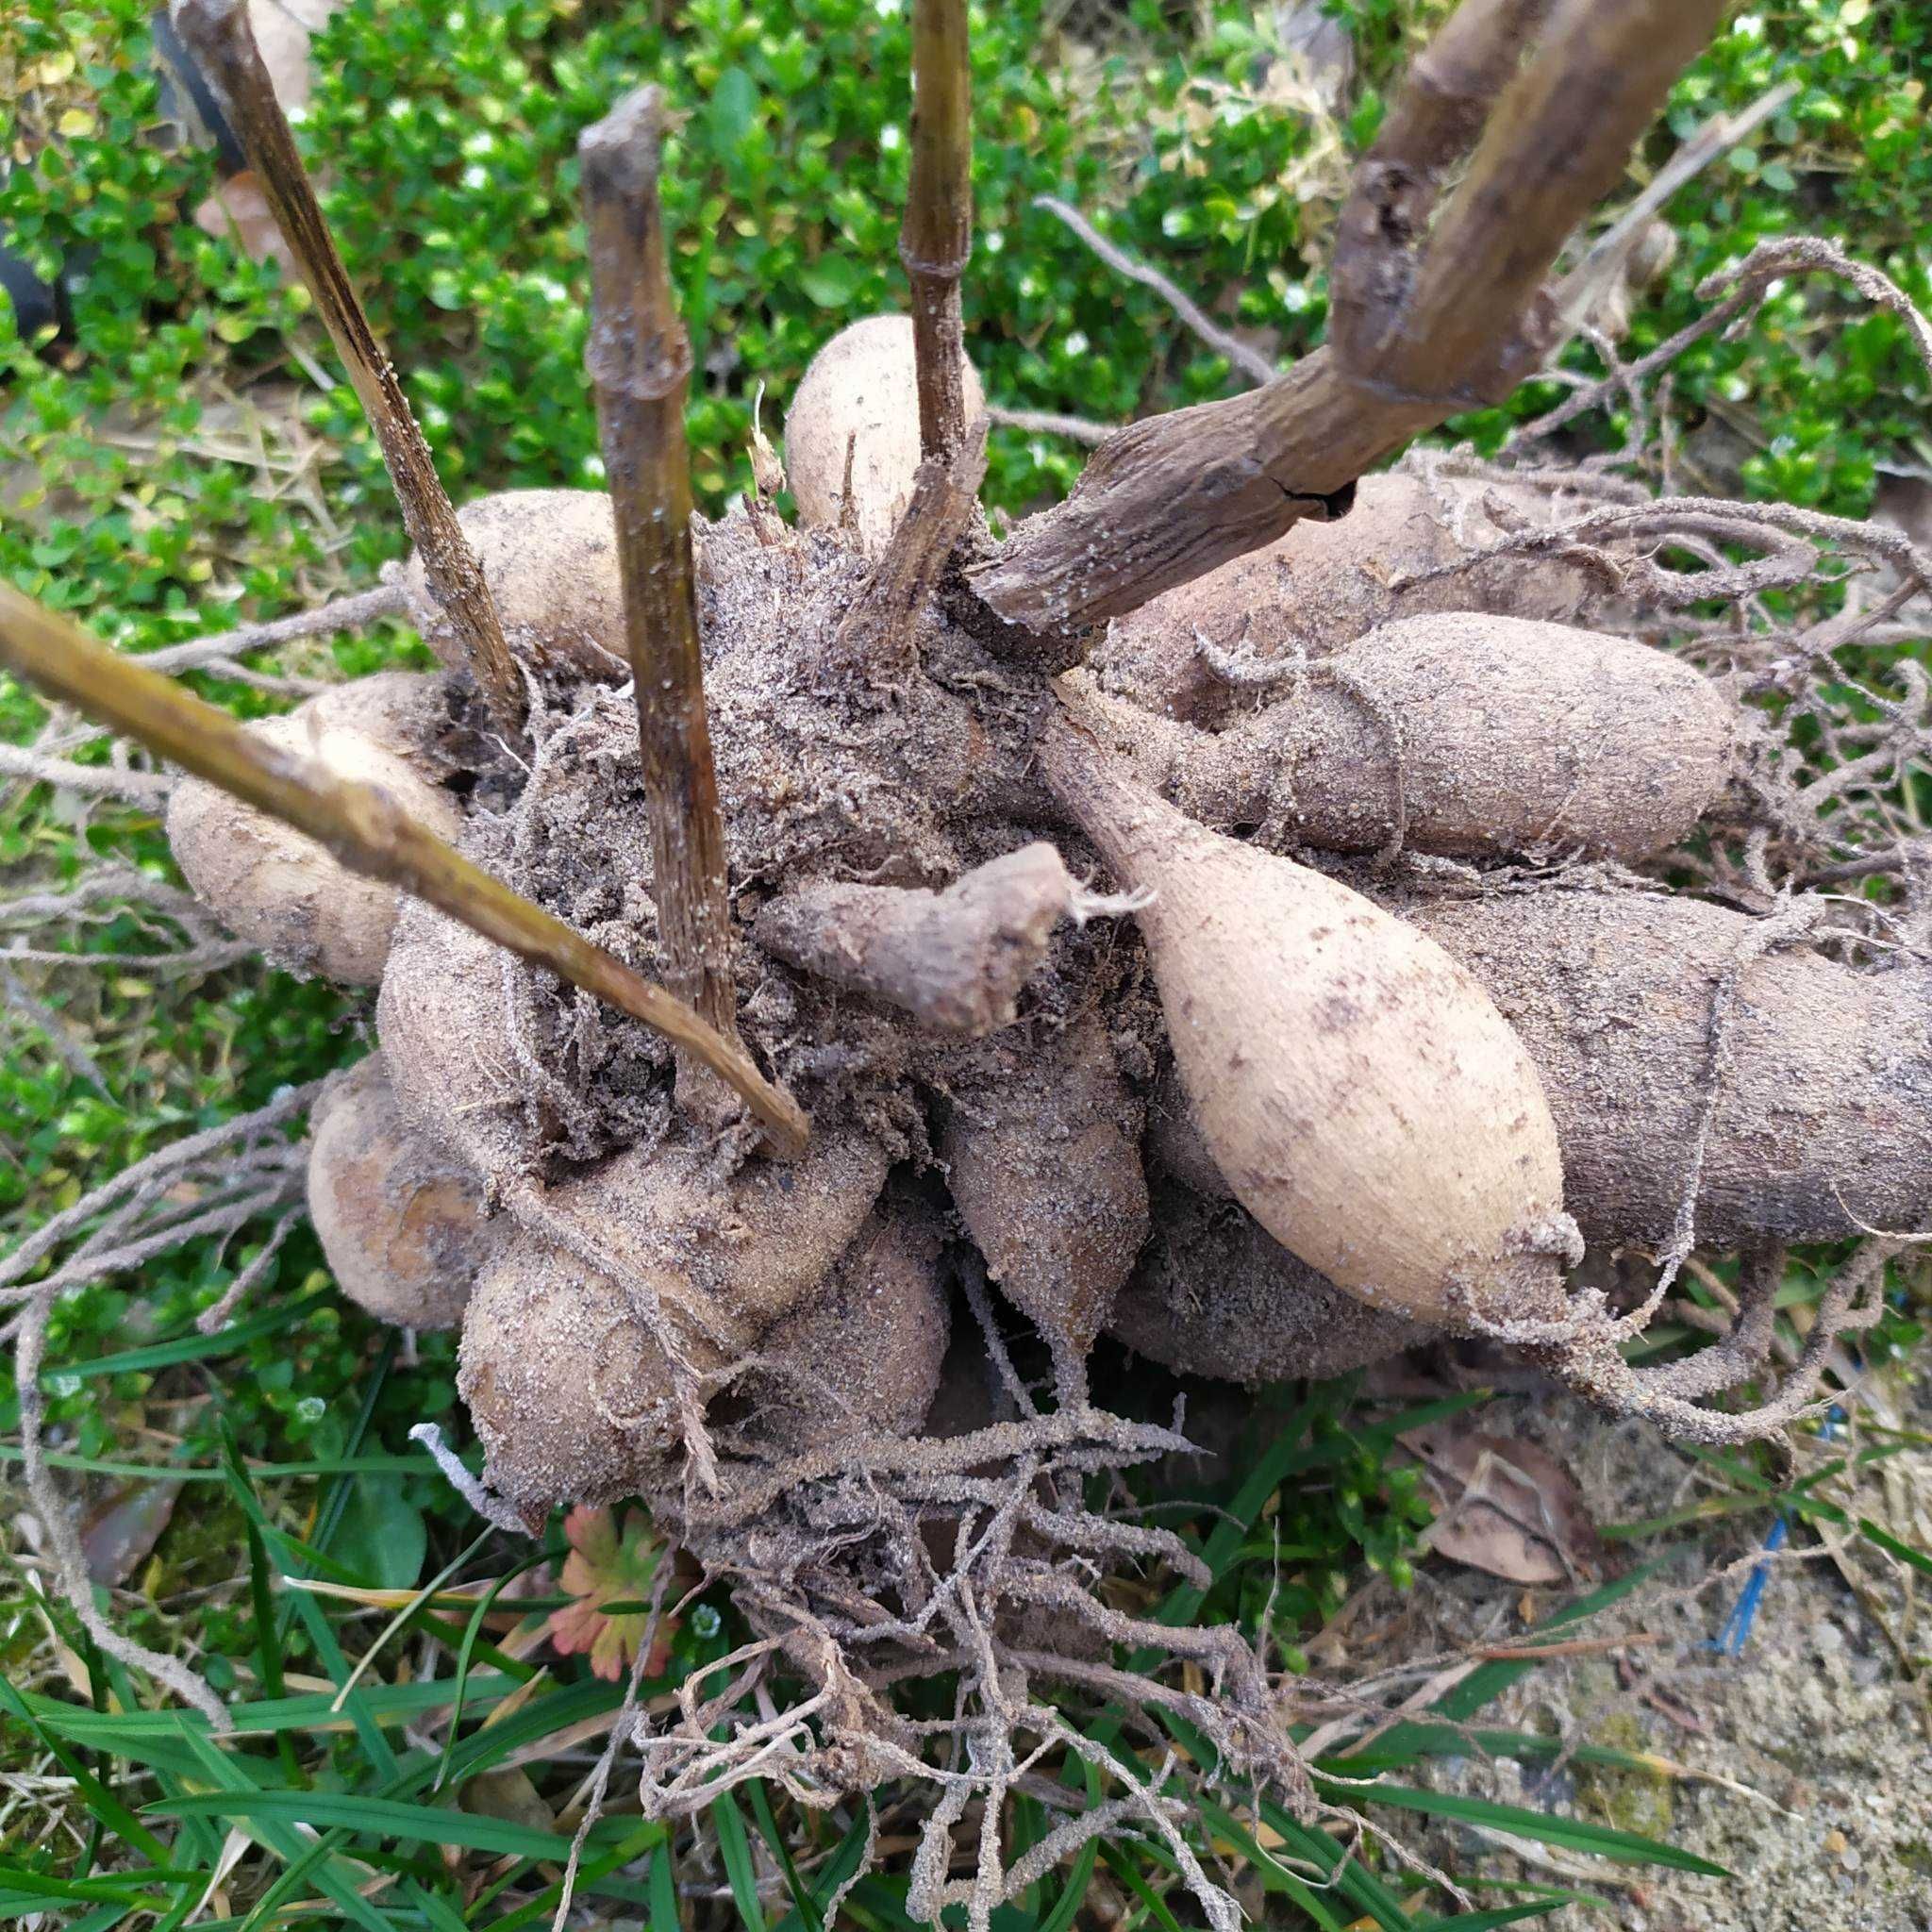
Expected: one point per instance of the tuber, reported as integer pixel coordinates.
(956, 961)
(864, 1354)
(400, 1224)
(856, 415)
(1366, 1101)
(549, 558)
(1214, 1294)
(564, 1363)
(1325, 584)
(1457, 734)
(1044, 1167)
(282, 892)
(1823, 1123)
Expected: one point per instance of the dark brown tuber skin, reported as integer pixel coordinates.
(401, 1225)
(1468, 735)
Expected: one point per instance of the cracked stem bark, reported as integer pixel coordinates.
(365, 829)
(218, 33)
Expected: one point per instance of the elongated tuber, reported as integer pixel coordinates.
(956, 961)
(1044, 1165)
(564, 1362)
(281, 890)
(1214, 1294)
(1325, 583)
(1459, 734)
(856, 413)
(400, 1224)
(1822, 1074)
(1366, 1101)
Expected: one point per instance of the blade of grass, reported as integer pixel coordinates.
(735, 1848)
(1545, 1827)
(1917, 1560)
(101, 1801)
(1074, 1891)
(466, 1651)
(229, 1771)
(1122, 1867)
(375, 1747)
(194, 1346)
(382, 1818)
(663, 1891)
(1504, 1915)
(802, 1904)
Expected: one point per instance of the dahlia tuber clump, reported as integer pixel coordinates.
(1211, 914)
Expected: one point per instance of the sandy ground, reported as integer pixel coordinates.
(1818, 1724)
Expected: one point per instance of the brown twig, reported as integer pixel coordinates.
(875, 642)
(364, 828)
(1166, 500)
(1050, 423)
(1250, 361)
(218, 33)
(638, 357)
(936, 239)
(339, 613)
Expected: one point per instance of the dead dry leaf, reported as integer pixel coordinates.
(1509, 1509)
(119, 1532)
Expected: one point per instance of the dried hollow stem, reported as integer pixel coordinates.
(218, 33)
(1443, 320)
(639, 359)
(936, 239)
(365, 829)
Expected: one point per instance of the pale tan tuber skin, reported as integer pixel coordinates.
(858, 402)
(564, 1363)
(1823, 1118)
(1325, 584)
(1213, 1294)
(956, 961)
(401, 1225)
(1366, 1101)
(284, 893)
(1459, 734)
(1045, 1169)
(549, 558)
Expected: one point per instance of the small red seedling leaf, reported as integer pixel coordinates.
(609, 1564)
